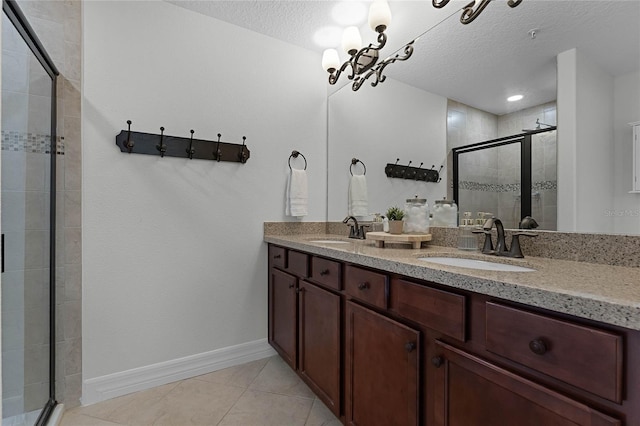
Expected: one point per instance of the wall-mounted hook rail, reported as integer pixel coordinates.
(295, 154)
(355, 161)
(182, 147)
(400, 171)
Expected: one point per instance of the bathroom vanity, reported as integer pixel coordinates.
(385, 339)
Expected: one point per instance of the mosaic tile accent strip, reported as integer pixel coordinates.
(505, 187)
(30, 142)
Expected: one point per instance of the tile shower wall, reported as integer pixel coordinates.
(490, 179)
(58, 24)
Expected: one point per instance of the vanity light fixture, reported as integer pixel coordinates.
(364, 61)
(514, 98)
(468, 12)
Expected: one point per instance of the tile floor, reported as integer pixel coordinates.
(260, 393)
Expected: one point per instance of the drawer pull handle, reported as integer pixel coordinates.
(324, 272)
(410, 346)
(538, 346)
(437, 361)
(363, 286)
(300, 290)
(292, 285)
(277, 256)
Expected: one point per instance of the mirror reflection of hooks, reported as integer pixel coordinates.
(295, 154)
(355, 161)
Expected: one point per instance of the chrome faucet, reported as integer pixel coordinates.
(358, 232)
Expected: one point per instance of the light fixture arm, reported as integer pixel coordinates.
(361, 61)
(378, 70)
(469, 14)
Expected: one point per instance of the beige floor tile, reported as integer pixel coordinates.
(240, 375)
(74, 419)
(118, 409)
(320, 415)
(278, 377)
(257, 408)
(196, 402)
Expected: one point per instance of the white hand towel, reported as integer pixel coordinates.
(297, 194)
(358, 200)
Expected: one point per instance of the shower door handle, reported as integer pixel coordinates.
(2, 249)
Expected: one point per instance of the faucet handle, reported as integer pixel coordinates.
(515, 250)
(487, 248)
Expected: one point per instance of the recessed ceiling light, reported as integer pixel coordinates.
(349, 13)
(514, 98)
(328, 37)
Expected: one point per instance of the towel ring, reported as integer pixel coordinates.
(295, 154)
(355, 161)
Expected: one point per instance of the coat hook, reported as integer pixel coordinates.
(162, 148)
(242, 155)
(218, 154)
(129, 143)
(191, 151)
(416, 175)
(406, 167)
(397, 159)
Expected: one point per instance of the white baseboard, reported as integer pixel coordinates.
(113, 385)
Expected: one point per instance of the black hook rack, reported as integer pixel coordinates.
(295, 154)
(355, 161)
(183, 147)
(401, 171)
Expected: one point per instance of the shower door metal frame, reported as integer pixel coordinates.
(524, 139)
(19, 21)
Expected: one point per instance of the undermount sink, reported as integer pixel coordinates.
(329, 241)
(476, 264)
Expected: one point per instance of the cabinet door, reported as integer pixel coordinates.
(473, 392)
(381, 370)
(283, 315)
(319, 342)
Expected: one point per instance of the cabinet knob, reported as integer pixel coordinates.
(538, 346)
(277, 256)
(324, 272)
(363, 286)
(300, 290)
(437, 361)
(292, 285)
(410, 346)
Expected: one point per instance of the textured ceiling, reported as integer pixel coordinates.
(479, 64)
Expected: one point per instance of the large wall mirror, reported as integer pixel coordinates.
(577, 65)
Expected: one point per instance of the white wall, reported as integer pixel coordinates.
(173, 258)
(359, 127)
(585, 144)
(626, 207)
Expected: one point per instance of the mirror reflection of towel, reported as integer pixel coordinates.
(358, 200)
(297, 194)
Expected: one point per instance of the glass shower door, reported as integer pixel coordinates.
(26, 225)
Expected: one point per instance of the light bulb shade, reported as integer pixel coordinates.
(379, 15)
(351, 40)
(330, 60)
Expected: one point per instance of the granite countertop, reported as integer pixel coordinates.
(609, 294)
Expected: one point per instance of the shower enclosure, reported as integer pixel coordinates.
(28, 223)
(510, 178)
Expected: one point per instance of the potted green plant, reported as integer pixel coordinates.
(395, 216)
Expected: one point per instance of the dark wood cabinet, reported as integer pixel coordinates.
(283, 315)
(473, 392)
(319, 343)
(381, 371)
(383, 349)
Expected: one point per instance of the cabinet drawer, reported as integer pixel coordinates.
(582, 356)
(439, 310)
(368, 286)
(277, 256)
(327, 272)
(298, 263)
